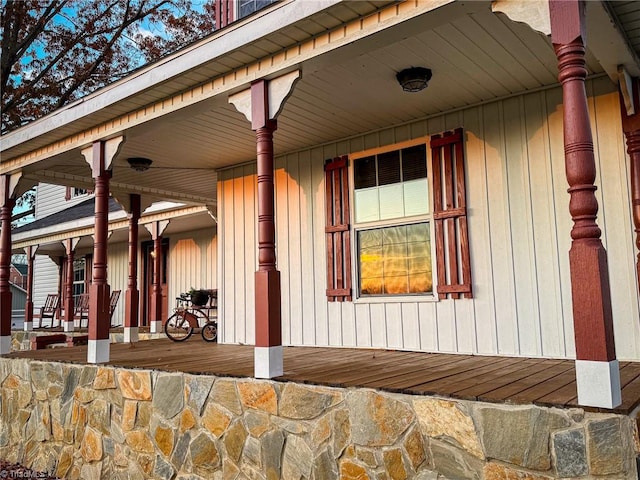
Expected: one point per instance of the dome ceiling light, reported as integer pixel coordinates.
(414, 79)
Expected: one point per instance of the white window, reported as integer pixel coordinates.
(392, 221)
(247, 7)
(79, 277)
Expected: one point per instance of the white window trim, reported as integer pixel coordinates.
(84, 279)
(75, 195)
(355, 227)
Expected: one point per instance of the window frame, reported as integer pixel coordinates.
(237, 4)
(80, 261)
(398, 221)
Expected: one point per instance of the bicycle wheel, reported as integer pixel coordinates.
(177, 328)
(210, 331)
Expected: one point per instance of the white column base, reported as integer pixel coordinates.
(28, 326)
(268, 362)
(5, 344)
(67, 326)
(598, 383)
(98, 351)
(155, 326)
(130, 334)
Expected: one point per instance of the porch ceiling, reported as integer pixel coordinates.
(475, 55)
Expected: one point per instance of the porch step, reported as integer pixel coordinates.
(39, 342)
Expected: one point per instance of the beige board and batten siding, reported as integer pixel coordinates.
(118, 276)
(519, 228)
(237, 254)
(192, 262)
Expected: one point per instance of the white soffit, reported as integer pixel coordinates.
(215, 46)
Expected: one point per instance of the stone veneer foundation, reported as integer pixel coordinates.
(91, 422)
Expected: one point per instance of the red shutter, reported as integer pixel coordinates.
(450, 215)
(223, 13)
(337, 230)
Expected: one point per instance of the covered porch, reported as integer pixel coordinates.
(348, 57)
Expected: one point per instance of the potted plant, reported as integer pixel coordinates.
(199, 297)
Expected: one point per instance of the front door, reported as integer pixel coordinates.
(147, 250)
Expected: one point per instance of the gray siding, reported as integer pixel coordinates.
(45, 279)
(50, 199)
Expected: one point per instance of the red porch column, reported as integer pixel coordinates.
(28, 305)
(6, 208)
(631, 127)
(261, 104)
(99, 291)
(69, 304)
(155, 314)
(99, 157)
(132, 295)
(268, 361)
(597, 370)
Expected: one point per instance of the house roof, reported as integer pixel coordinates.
(84, 209)
(49, 233)
(21, 267)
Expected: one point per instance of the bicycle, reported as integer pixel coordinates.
(188, 317)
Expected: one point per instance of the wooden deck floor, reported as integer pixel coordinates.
(491, 379)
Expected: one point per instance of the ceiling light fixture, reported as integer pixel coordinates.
(414, 79)
(139, 164)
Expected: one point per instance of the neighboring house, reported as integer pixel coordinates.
(433, 221)
(18, 274)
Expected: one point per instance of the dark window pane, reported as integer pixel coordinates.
(78, 276)
(247, 7)
(364, 172)
(414, 163)
(389, 168)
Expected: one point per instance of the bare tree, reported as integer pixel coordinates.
(56, 51)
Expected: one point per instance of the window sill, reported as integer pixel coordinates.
(427, 298)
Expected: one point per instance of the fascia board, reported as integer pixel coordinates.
(608, 43)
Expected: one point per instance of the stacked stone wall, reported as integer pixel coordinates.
(91, 422)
